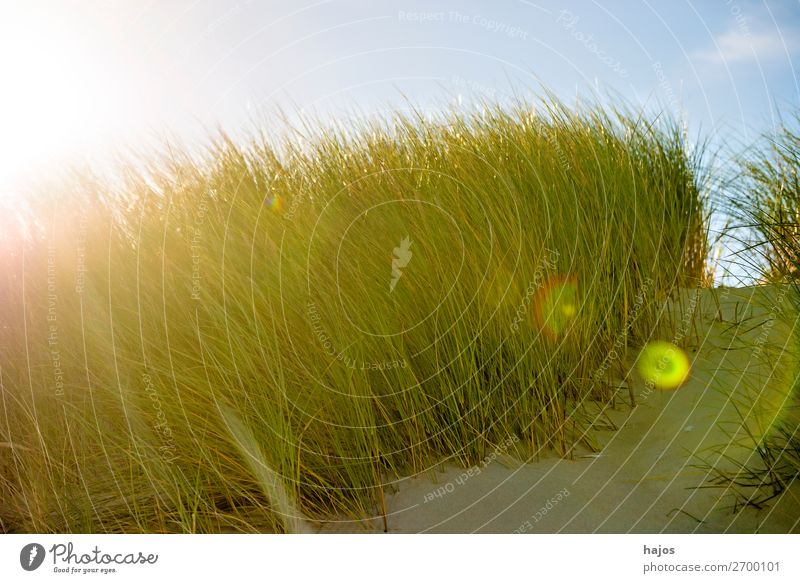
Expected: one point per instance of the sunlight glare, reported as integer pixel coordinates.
(53, 101)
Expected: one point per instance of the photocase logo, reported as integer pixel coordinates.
(402, 255)
(31, 556)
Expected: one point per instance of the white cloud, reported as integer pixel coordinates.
(740, 45)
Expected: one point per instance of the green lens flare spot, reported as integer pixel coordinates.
(274, 202)
(663, 365)
(557, 305)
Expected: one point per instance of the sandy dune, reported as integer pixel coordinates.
(646, 477)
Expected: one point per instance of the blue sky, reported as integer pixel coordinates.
(727, 64)
(90, 73)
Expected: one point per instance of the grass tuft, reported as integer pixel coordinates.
(278, 330)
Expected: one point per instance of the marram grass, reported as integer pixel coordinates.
(767, 204)
(283, 329)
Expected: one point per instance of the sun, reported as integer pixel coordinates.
(53, 99)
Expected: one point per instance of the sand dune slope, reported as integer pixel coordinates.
(646, 478)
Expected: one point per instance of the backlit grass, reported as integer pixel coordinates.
(284, 328)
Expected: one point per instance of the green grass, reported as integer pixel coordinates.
(766, 201)
(232, 361)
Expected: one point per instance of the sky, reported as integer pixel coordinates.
(82, 78)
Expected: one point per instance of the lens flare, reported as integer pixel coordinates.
(557, 305)
(664, 365)
(274, 202)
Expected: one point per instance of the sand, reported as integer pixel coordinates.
(649, 476)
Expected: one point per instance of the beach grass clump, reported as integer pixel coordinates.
(221, 342)
(767, 202)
